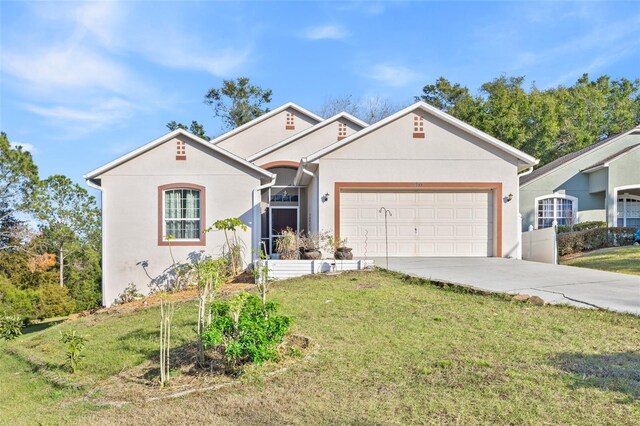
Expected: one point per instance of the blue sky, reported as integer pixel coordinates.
(83, 83)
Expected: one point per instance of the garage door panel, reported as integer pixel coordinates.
(422, 223)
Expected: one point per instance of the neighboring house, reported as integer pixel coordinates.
(600, 182)
(452, 190)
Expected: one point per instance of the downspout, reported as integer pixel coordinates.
(93, 185)
(519, 222)
(257, 221)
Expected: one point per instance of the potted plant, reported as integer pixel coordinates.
(287, 245)
(338, 247)
(310, 246)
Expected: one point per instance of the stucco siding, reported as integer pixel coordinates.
(266, 133)
(567, 179)
(309, 144)
(130, 210)
(624, 172)
(446, 154)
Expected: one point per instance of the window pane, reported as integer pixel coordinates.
(182, 213)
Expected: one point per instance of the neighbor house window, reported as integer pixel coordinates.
(559, 209)
(342, 131)
(629, 210)
(181, 214)
(291, 125)
(418, 127)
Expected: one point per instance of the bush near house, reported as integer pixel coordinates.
(581, 226)
(593, 239)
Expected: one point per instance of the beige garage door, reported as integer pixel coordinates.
(434, 223)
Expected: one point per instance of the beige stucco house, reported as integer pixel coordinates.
(451, 190)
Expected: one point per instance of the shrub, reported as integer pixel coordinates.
(593, 239)
(581, 226)
(10, 326)
(55, 301)
(75, 345)
(129, 294)
(247, 331)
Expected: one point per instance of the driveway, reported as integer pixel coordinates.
(556, 284)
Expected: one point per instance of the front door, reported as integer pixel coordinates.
(281, 219)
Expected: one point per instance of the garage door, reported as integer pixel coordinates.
(433, 223)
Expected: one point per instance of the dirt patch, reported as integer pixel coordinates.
(140, 384)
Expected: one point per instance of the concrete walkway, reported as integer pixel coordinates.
(553, 283)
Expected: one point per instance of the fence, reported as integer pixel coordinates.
(540, 245)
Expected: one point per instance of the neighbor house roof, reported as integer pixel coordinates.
(264, 117)
(549, 167)
(605, 162)
(92, 175)
(306, 132)
(525, 158)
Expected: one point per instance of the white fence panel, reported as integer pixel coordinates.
(283, 269)
(540, 245)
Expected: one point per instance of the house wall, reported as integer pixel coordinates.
(567, 179)
(130, 211)
(446, 154)
(266, 133)
(309, 144)
(624, 172)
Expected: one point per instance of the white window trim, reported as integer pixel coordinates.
(625, 197)
(164, 217)
(616, 193)
(574, 201)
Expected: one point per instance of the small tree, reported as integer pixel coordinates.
(234, 248)
(209, 275)
(167, 309)
(237, 102)
(75, 345)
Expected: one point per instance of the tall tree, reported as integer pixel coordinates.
(68, 216)
(369, 110)
(545, 123)
(237, 102)
(195, 128)
(18, 179)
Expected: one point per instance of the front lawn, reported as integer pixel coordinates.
(625, 260)
(390, 351)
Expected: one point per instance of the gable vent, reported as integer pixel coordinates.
(342, 131)
(291, 125)
(181, 150)
(418, 127)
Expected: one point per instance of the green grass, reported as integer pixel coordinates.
(625, 260)
(391, 351)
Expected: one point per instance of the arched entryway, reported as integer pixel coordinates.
(284, 204)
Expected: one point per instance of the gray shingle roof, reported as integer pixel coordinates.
(566, 158)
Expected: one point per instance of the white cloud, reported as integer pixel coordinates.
(78, 120)
(393, 75)
(64, 67)
(325, 32)
(25, 146)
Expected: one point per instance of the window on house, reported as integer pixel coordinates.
(556, 209)
(629, 211)
(182, 213)
(181, 150)
(418, 127)
(291, 125)
(342, 131)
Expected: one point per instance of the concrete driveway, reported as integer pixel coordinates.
(553, 283)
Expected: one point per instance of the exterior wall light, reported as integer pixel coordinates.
(325, 197)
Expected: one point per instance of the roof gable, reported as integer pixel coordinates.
(526, 159)
(611, 158)
(312, 129)
(265, 117)
(573, 156)
(94, 174)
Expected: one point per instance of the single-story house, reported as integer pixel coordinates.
(600, 182)
(451, 190)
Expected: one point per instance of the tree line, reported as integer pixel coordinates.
(49, 240)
